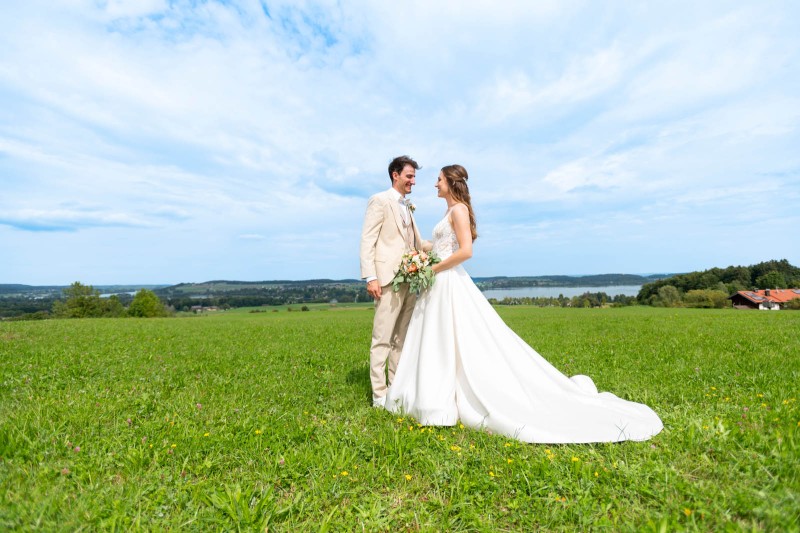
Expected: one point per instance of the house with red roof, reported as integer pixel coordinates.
(766, 299)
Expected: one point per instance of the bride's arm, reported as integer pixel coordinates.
(460, 219)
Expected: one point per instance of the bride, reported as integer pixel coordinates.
(461, 362)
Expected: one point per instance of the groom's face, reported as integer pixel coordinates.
(405, 180)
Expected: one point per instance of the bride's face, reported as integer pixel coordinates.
(441, 186)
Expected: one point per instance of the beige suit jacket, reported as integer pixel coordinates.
(383, 238)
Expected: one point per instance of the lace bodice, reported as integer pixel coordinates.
(444, 238)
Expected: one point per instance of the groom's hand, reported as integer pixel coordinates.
(374, 289)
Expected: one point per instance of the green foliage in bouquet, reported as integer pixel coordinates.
(415, 269)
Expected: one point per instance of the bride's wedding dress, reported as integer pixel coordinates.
(461, 362)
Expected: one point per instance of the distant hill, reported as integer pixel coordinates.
(18, 290)
(595, 280)
(219, 287)
(13, 289)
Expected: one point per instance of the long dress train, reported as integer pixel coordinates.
(461, 361)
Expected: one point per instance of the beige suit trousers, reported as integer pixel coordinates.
(392, 314)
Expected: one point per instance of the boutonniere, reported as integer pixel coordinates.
(411, 207)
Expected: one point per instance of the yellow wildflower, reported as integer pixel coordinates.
(575, 459)
(460, 426)
(596, 474)
(206, 434)
(491, 474)
(174, 446)
(455, 448)
(345, 473)
(408, 477)
(687, 511)
(258, 432)
(509, 461)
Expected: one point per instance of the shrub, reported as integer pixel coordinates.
(706, 298)
(793, 304)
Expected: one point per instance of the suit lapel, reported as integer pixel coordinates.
(398, 218)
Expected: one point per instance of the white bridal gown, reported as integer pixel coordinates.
(461, 361)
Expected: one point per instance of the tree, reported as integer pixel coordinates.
(80, 301)
(146, 304)
(669, 296)
(112, 307)
(771, 280)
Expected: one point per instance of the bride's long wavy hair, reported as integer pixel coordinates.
(457, 177)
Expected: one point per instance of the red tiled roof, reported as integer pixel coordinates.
(775, 295)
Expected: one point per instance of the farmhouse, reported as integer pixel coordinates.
(203, 309)
(767, 299)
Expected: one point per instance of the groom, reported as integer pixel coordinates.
(389, 231)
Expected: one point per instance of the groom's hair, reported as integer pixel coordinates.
(399, 163)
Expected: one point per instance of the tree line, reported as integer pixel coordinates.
(587, 299)
(711, 288)
(274, 295)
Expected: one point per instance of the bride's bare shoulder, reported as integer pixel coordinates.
(459, 212)
(459, 208)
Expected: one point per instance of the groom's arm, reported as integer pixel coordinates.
(373, 221)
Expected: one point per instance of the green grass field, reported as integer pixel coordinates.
(256, 421)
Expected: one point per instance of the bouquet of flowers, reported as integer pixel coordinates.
(415, 269)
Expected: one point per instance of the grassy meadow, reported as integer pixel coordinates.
(262, 421)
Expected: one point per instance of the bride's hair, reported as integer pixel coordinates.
(457, 177)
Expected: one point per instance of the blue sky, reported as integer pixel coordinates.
(154, 141)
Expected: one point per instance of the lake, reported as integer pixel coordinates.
(548, 292)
